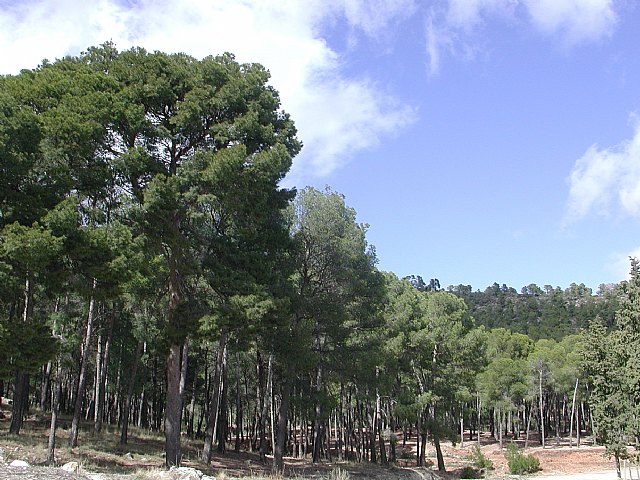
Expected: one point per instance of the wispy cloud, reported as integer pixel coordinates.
(574, 21)
(619, 265)
(567, 22)
(336, 115)
(606, 181)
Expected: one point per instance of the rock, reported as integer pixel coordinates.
(1, 455)
(185, 473)
(19, 463)
(128, 456)
(98, 476)
(71, 467)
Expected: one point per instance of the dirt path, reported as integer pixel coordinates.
(608, 475)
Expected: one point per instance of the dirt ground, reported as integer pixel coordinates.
(554, 458)
(102, 453)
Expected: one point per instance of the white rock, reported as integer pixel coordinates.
(72, 467)
(185, 473)
(97, 476)
(19, 463)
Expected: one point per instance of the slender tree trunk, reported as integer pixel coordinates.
(222, 422)
(173, 408)
(21, 388)
(526, 441)
(127, 403)
(101, 387)
(462, 426)
(192, 407)
(318, 433)
(238, 438)
(578, 416)
(281, 435)
(20, 401)
(264, 393)
(46, 384)
(479, 416)
(272, 416)
(207, 451)
(378, 426)
(82, 376)
(439, 456)
(500, 421)
(55, 408)
(573, 410)
(541, 409)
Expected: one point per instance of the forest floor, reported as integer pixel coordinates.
(142, 458)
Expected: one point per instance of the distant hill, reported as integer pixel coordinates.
(545, 312)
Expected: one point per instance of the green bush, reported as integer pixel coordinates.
(480, 460)
(520, 464)
(470, 472)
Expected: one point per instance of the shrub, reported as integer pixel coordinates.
(470, 472)
(480, 460)
(520, 464)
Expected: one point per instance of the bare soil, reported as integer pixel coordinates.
(101, 453)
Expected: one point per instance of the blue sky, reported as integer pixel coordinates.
(482, 140)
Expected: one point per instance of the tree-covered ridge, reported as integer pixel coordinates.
(545, 312)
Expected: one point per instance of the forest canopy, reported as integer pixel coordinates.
(154, 271)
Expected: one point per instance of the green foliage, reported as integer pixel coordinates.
(479, 459)
(538, 312)
(611, 361)
(520, 464)
(470, 472)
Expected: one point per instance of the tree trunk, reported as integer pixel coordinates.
(573, 410)
(462, 426)
(541, 410)
(281, 436)
(238, 438)
(318, 433)
(264, 393)
(378, 426)
(222, 422)
(101, 388)
(439, 456)
(499, 427)
(478, 426)
(207, 451)
(526, 441)
(21, 389)
(55, 408)
(192, 407)
(20, 401)
(173, 408)
(82, 376)
(46, 384)
(127, 403)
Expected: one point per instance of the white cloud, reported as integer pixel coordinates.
(574, 20)
(606, 181)
(468, 13)
(567, 22)
(619, 265)
(335, 115)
